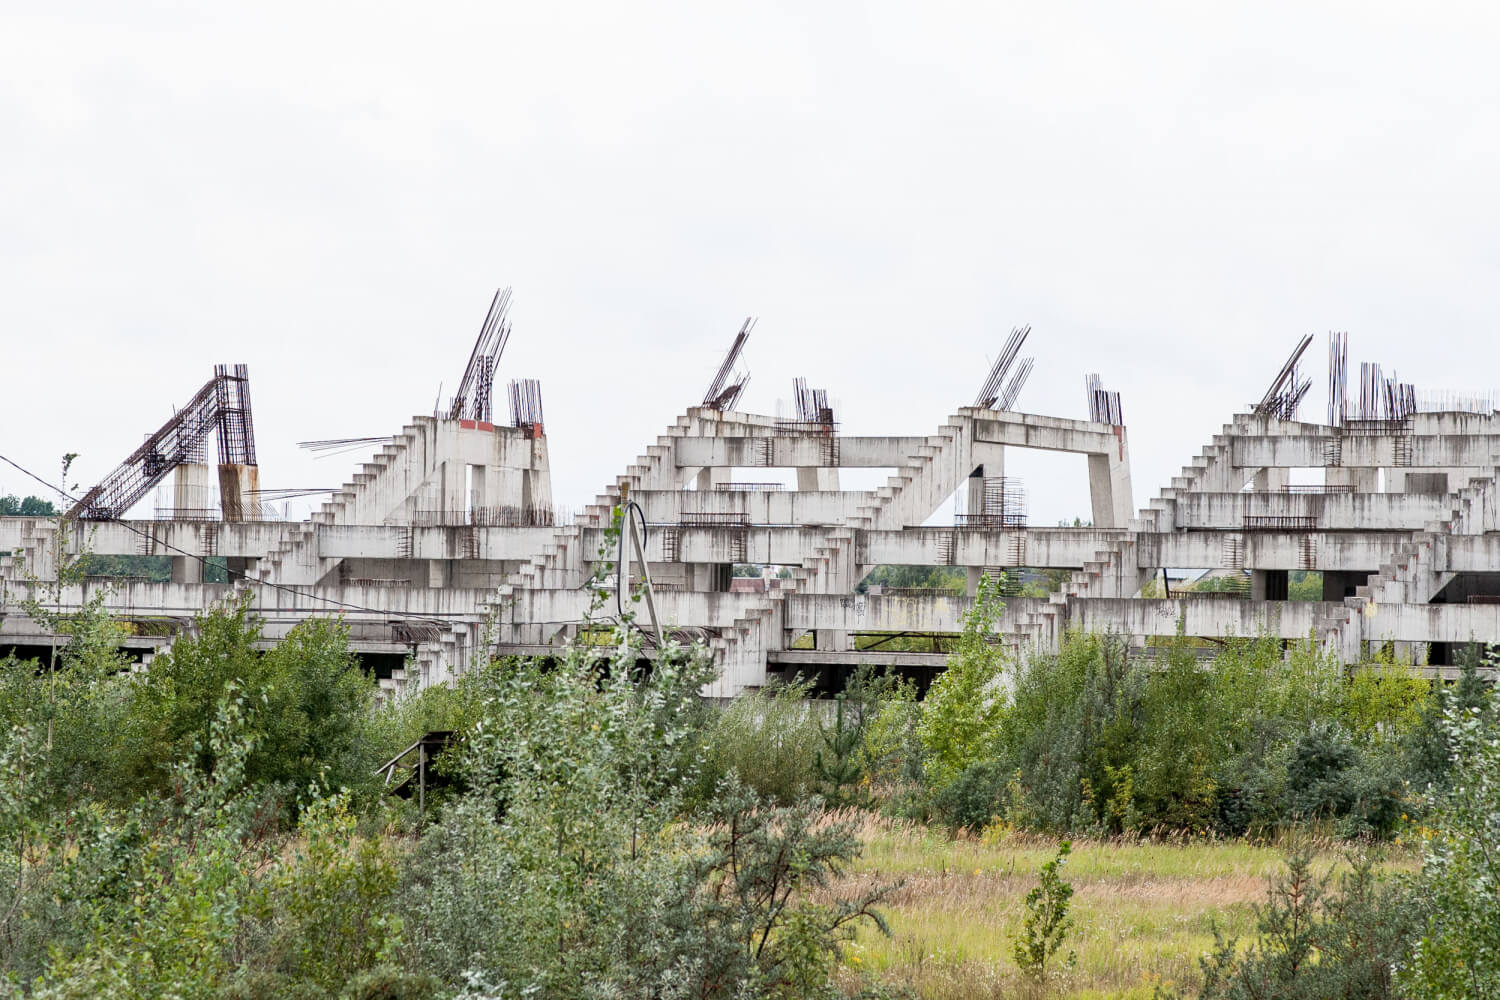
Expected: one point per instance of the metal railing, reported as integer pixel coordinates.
(1279, 522)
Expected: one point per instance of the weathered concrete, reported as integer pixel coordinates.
(416, 553)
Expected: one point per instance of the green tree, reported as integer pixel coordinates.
(160, 888)
(1458, 952)
(761, 920)
(1047, 921)
(327, 909)
(14, 506)
(1317, 938)
(771, 738)
(312, 701)
(552, 870)
(835, 762)
(966, 704)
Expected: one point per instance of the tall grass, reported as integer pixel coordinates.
(1145, 910)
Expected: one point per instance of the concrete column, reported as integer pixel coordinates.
(1270, 480)
(974, 498)
(1102, 491)
(536, 481)
(192, 496)
(818, 479)
(1363, 480)
(453, 489)
(186, 569)
(974, 573)
(193, 488)
(1268, 584)
(711, 477)
(1110, 493)
(710, 578)
(1338, 585)
(831, 640)
(238, 499)
(437, 573)
(483, 488)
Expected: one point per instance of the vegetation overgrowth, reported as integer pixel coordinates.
(1267, 823)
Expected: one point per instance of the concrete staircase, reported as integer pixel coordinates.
(365, 499)
(1114, 572)
(36, 554)
(557, 568)
(1415, 574)
(909, 497)
(919, 487)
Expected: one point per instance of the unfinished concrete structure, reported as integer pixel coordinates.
(442, 547)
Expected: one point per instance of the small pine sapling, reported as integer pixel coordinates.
(1047, 920)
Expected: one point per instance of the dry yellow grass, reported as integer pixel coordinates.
(1144, 911)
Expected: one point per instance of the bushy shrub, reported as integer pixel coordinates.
(566, 871)
(1094, 739)
(328, 907)
(770, 738)
(1428, 745)
(975, 797)
(312, 704)
(1068, 744)
(749, 925)
(1317, 938)
(387, 982)
(852, 753)
(1182, 741)
(188, 864)
(548, 871)
(1457, 953)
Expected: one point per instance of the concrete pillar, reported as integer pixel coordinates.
(1102, 486)
(536, 481)
(1110, 494)
(437, 573)
(1363, 480)
(193, 490)
(710, 578)
(192, 497)
(187, 569)
(831, 640)
(709, 478)
(453, 491)
(818, 479)
(1338, 585)
(972, 587)
(974, 498)
(238, 496)
(1268, 584)
(484, 488)
(1270, 480)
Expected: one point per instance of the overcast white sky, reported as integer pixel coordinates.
(1169, 194)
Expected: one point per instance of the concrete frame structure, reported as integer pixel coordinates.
(442, 546)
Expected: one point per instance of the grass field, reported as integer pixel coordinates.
(1144, 911)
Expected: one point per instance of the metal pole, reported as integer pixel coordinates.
(638, 543)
